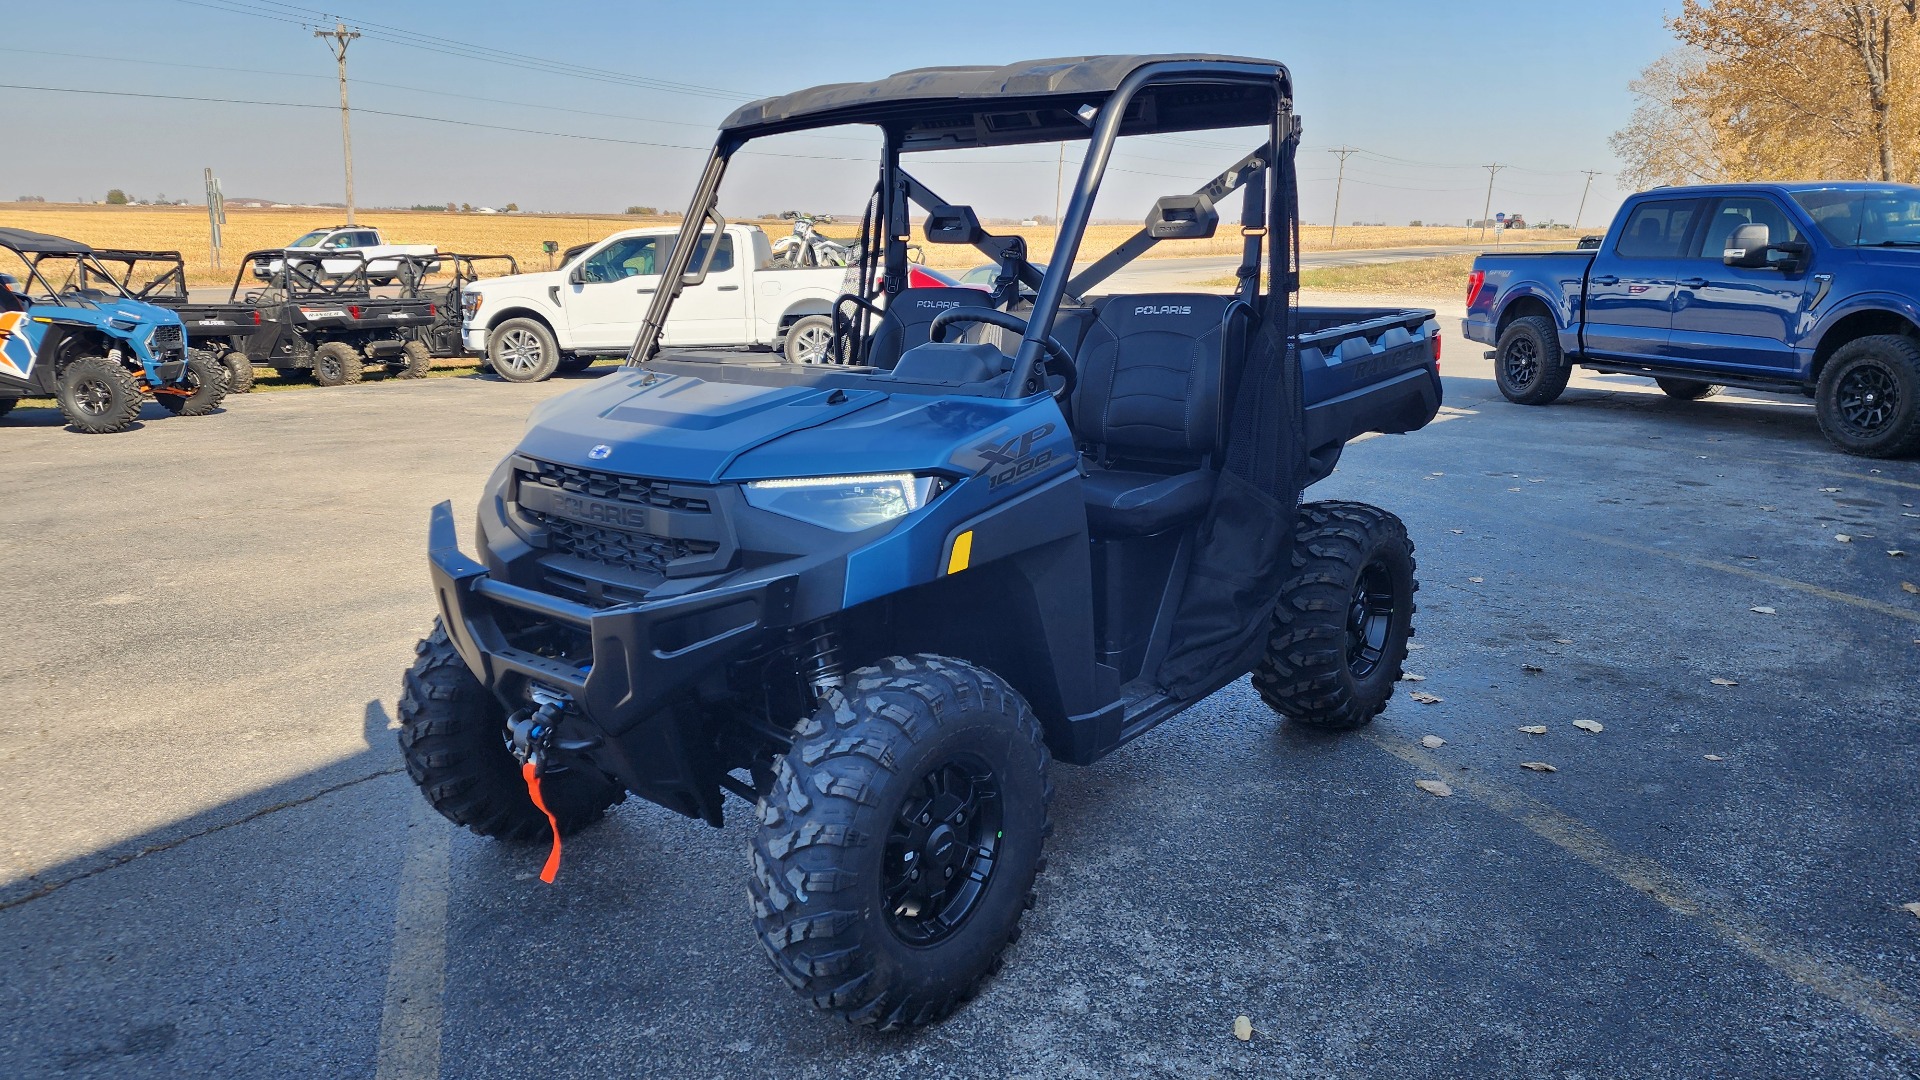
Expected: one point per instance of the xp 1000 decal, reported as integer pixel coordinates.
(16, 344)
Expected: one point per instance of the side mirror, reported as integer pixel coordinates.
(1747, 248)
(953, 225)
(577, 275)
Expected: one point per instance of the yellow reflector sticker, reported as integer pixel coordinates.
(962, 552)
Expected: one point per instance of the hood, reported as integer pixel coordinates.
(528, 284)
(679, 427)
(121, 314)
(676, 427)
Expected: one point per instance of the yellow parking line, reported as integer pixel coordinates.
(1866, 996)
(410, 1021)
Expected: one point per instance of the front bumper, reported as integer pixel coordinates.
(475, 339)
(643, 655)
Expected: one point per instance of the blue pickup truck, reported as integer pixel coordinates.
(1805, 288)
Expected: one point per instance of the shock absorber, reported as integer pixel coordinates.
(820, 660)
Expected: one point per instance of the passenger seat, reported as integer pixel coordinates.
(1149, 410)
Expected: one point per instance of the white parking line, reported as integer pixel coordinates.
(417, 971)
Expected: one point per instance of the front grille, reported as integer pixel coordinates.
(642, 552)
(628, 489)
(167, 340)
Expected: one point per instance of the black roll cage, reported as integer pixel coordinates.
(1264, 203)
(86, 265)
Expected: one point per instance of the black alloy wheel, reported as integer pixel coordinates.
(1370, 619)
(1522, 361)
(942, 850)
(1867, 400)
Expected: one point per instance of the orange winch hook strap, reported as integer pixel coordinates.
(532, 773)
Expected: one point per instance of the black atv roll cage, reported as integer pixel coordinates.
(169, 285)
(87, 268)
(302, 277)
(1156, 97)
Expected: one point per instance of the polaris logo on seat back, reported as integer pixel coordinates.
(1164, 309)
(936, 303)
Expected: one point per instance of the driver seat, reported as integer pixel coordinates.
(904, 325)
(1149, 411)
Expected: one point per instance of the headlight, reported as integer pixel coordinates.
(470, 303)
(843, 503)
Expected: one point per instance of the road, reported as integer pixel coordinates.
(216, 867)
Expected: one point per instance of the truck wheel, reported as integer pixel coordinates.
(206, 385)
(899, 840)
(415, 361)
(1868, 400)
(1688, 389)
(1340, 628)
(336, 363)
(453, 735)
(808, 340)
(98, 396)
(576, 363)
(1528, 365)
(239, 371)
(522, 351)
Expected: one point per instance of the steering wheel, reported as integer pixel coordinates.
(1059, 361)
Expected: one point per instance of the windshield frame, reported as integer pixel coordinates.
(85, 267)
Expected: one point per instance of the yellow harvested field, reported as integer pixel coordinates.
(184, 229)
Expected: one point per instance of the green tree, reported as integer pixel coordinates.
(116, 197)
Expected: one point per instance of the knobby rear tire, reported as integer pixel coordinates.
(1313, 672)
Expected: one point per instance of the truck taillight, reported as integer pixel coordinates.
(1436, 350)
(1474, 281)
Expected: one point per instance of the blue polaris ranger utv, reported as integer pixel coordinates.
(69, 330)
(876, 598)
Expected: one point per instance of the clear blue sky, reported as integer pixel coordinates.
(1449, 86)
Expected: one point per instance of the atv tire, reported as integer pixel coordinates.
(239, 371)
(1868, 397)
(1528, 365)
(453, 735)
(1340, 628)
(206, 385)
(415, 361)
(336, 363)
(522, 351)
(877, 890)
(1688, 389)
(98, 396)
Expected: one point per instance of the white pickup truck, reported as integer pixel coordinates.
(352, 243)
(530, 325)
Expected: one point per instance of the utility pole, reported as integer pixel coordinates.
(1339, 182)
(1492, 171)
(1059, 175)
(1591, 173)
(340, 37)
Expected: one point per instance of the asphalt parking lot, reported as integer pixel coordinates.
(215, 865)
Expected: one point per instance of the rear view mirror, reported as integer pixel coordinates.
(953, 225)
(1747, 247)
(1183, 217)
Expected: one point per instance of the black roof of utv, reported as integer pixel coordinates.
(1030, 101)
(33, 243)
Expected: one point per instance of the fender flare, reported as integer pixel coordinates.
(1906, 307)
(1556, 306)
